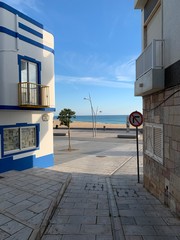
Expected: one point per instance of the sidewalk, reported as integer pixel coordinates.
(109, 206)
(27, 201)
(92, 196)
(142, 216)
(88, 212)
(83, 213)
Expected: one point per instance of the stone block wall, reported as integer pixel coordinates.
(163, 179)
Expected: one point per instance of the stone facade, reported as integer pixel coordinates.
(163, 179)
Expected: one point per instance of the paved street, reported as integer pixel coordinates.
(91, 193)
(27, 201)
(95, 154)
(103, 200)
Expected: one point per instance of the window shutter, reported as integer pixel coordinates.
(158, 142)
(154, 141)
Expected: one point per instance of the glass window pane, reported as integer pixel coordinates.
(28, 137)
(32, 72)
(33, 87)
(24, 71)
(11, 139)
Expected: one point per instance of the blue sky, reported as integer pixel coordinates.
(96, 44)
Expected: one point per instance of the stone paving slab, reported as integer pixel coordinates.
(142, 215)
(27, 201)
(90, 210)
(83, 213)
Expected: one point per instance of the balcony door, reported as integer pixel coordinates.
(29, 78)
(152, 24)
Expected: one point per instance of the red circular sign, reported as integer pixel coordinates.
(136, 119)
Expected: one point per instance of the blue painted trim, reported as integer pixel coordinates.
(20, 152)
(30, 30)
(7, 164)
(23, 163)
(25, 17)
(19, 125)
(37, 44)
(29, 59)
(25, 39)
(9, 32)
(44, 161)
(7, 107)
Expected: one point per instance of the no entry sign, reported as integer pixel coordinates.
(136, 119)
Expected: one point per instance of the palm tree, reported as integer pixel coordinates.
(65, 117)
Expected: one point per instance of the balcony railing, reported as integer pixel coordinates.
(151, 58)
(33, 95)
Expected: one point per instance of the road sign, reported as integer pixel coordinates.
(136, 119)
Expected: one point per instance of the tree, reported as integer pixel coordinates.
(65, 117)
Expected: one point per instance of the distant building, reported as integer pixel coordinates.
(158, 82)
(26, 92)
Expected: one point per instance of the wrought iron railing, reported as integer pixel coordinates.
(151, 58)
(31, 94)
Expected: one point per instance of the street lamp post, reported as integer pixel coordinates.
(95, 119)
(92, 113)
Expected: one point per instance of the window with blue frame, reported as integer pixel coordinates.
(17, 139)
(29, 72)
(30, 81)
(29, 69)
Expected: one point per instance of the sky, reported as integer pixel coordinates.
(96, 45)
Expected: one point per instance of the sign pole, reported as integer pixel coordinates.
(136, 119)
(137, 145)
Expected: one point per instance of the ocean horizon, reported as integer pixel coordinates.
(106, 119)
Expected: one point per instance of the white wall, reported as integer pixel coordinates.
(9, 117)
(165, 24)
(11, 47)
(154, 28)
(171, 22)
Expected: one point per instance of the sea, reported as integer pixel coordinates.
(108, 119)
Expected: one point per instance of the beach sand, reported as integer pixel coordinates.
(89, 125)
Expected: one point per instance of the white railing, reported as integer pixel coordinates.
(151, 58)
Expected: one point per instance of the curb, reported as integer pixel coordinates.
(38, 233)
(117, 229)
(59, 134)
(129, 136)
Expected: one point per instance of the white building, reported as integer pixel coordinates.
(26, 92)
(158, 82)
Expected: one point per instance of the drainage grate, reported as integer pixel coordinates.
(94, 187)
(100, 156)
(122, 192)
